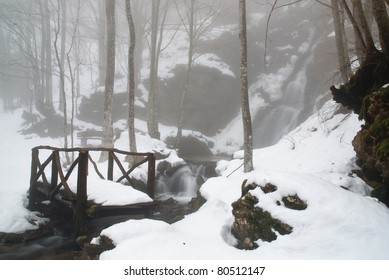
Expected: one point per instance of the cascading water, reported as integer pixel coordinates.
(182, 185)
(275, 122)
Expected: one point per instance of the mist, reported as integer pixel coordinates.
(291, 57)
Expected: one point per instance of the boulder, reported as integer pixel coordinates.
(252, 223)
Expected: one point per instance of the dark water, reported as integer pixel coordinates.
(46, 248)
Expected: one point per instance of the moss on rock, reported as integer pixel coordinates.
(252, 222)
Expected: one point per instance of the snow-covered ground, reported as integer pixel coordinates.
(314, 161)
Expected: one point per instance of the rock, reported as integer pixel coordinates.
(366, 95)
(269, 188)
(294, 202)
(371, 144)
(92, 251)
(252, 223)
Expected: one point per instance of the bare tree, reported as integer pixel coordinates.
(245, 106)
(152, 124)
(131, 78)
(381, 17)
(341, 42)
(205, 13)
(48, 65)
(61, 58)
(101, 36)
(61, 69)
(109, 77)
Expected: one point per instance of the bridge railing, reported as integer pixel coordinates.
(59, 180)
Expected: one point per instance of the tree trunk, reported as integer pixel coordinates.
(188, 74)
(47, 47)
(246, 117)
(102, 43)
(152, 125)
(109, 77)
(343, 57)
(359, 13)
(131, 78)
(61, 65)
(381, 17)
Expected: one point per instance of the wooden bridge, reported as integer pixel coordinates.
(49, 178)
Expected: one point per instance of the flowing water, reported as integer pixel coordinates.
(182, 185)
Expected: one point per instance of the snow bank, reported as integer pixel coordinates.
(314, 161)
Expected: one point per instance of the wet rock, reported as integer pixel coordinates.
(92, 251)
(269, 188)
(294, 202)
(252, 223)
(371, 144)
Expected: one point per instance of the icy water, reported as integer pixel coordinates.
(46, 248)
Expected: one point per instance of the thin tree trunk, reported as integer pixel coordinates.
(109, 78)
(152, 125)
(102, 42)
(357, 30)
(381, 17)
(47, 47)
(62, 56)
(359, 13)
(131, 78)
(246, 117)
(343, 58)
(188, 74)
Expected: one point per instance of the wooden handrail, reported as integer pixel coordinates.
(79, 199)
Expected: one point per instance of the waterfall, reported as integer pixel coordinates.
(182, 185)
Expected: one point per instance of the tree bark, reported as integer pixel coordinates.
(47, 47)
(109, 77)
(246, 117)
(359, 13)
(61, 65)
(102, 42)
(188, 74)
(381, 17)
(131, 78)
(343, 57)
(152, 124)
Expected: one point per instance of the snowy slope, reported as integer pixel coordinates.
(313, 161)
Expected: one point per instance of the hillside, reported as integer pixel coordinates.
(314, 161)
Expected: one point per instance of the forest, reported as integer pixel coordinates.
(206, 77)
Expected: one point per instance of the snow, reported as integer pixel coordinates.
(314, 161)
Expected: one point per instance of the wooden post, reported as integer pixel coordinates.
(34, 173)
(151, 175)
(110, 166)
(54, 171)
(81, 193)
(34, 166)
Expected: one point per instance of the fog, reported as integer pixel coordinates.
(290, 70)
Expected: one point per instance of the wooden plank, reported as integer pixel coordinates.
(57, 187)
(41, 168)
(119, 164)
(54, 173)
(110, 166)
(62, 177)
(82, 180)
(34, 167)
(151, 176)
(95, 167)
(132, 169)
(98, 149)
